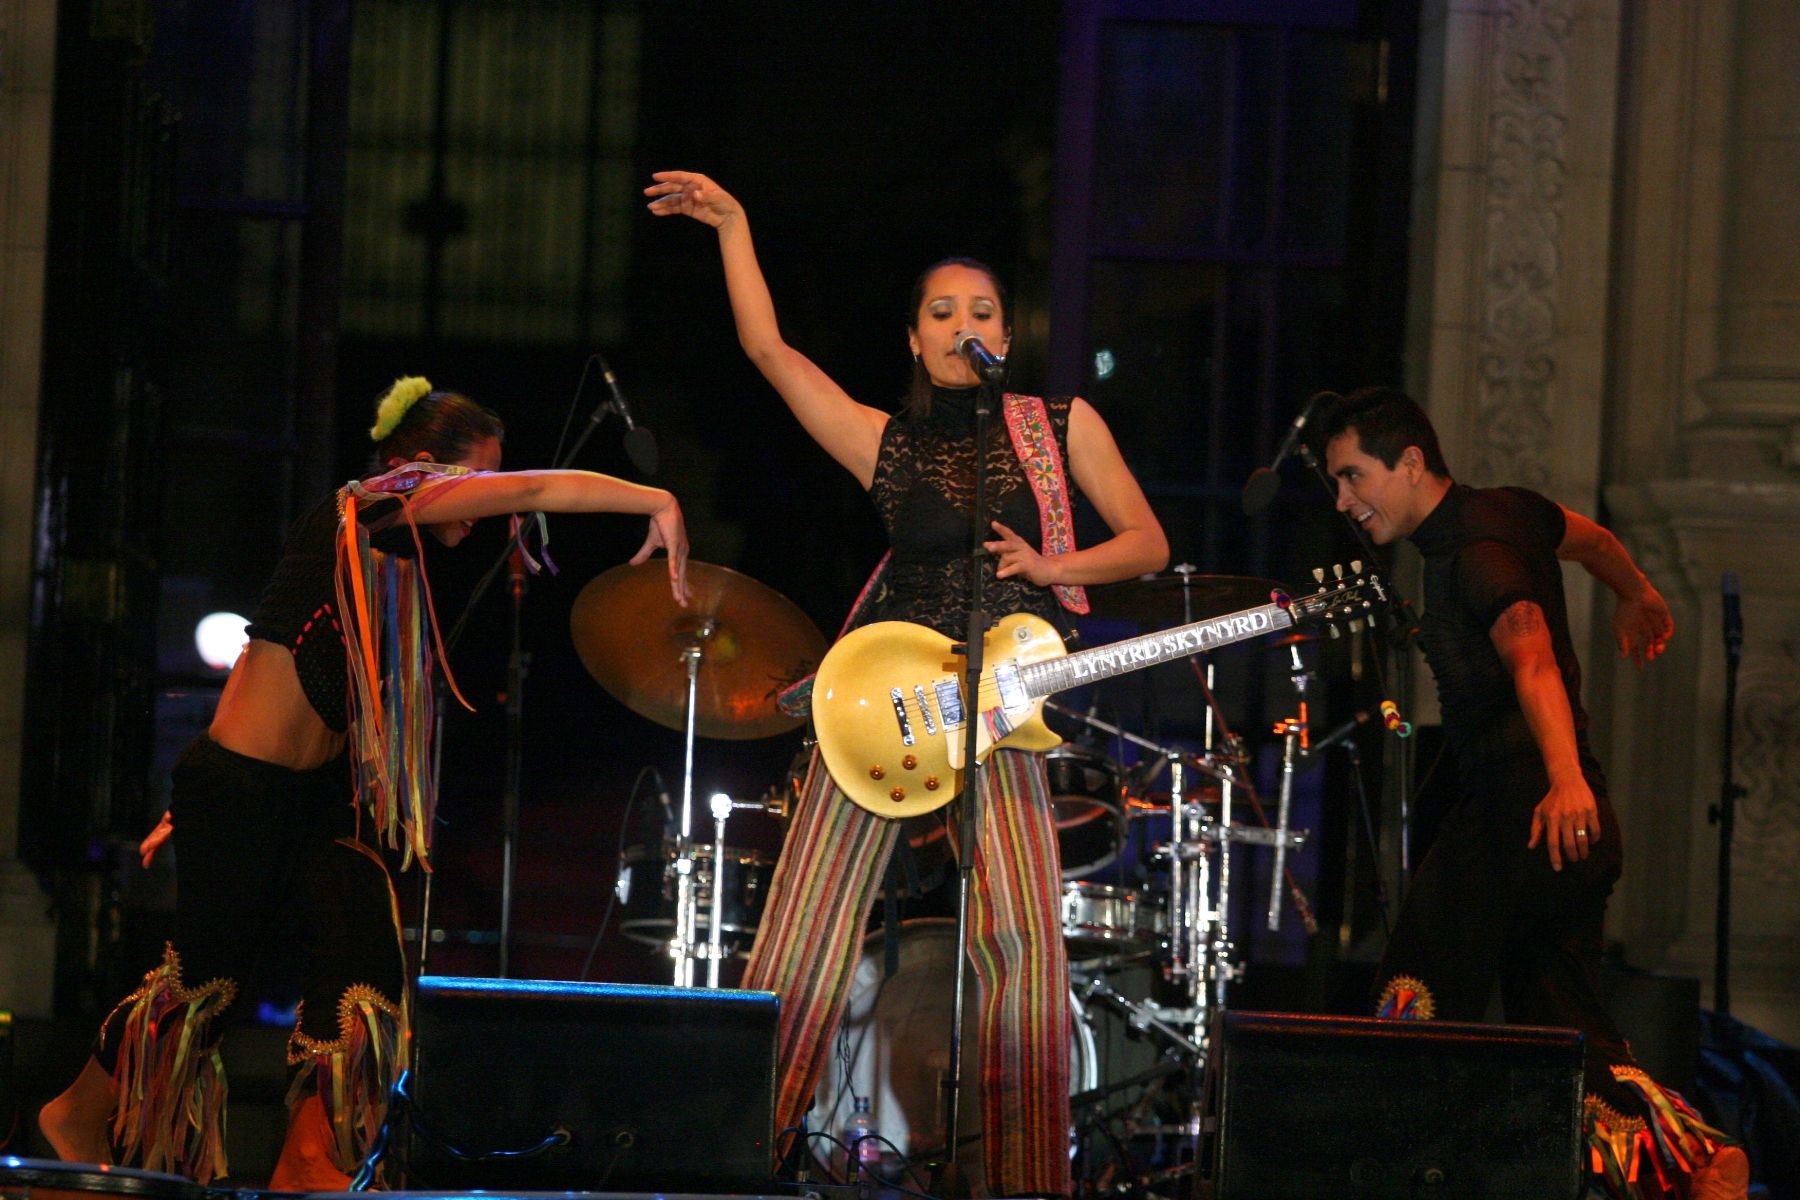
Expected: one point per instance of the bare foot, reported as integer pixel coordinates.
(75, 1122)
(1724, 1176)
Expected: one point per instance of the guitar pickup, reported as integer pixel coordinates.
(905, 722)
(949, 703)
(1012, 689)
(925, 710)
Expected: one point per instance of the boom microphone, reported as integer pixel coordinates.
(988, 366)
(1264, 482)
(640, 443)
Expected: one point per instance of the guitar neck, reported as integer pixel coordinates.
(1165, 645)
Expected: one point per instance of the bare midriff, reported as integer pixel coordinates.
(264, 714)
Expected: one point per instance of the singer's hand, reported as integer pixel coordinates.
(1567, 821)
(1642, 625)
(153, 841)
(690, 194)
(1016, 557)
(669, 531)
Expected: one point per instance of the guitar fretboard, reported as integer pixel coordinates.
(1165, 645)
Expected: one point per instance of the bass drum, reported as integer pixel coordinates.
(1088, 799)
(897, 1034)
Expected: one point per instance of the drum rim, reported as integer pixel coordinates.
(106, 1178)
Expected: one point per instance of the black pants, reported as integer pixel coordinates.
(273, 890)
(1482, 908)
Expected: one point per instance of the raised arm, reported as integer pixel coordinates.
(1137, 545)
(848, 431)
(500, 493)
(1567, 820)
(1642, 624)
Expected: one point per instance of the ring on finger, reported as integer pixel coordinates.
(1581, 833)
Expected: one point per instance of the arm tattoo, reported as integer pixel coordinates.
(1523, 619)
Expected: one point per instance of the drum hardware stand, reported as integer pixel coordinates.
(1293, 732)
(682, 947)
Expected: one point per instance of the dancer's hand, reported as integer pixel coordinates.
(153, 841)
(690, 194)
(1642, 625)
(668, 531)
(1568, 822)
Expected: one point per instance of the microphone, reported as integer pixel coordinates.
(640, 443)
(1260, 488)
(988, 366)
(1733, 616)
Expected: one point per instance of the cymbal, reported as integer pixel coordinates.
(1166, 600)
(632, 637)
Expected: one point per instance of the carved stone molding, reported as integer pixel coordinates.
(1766, 764)
(1526, 173)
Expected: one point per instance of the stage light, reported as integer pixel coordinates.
(219, 637)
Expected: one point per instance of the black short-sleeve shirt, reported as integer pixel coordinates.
(1486, 549)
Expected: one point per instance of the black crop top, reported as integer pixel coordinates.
(924, 489)
(298, 609)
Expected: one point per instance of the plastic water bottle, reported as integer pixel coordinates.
(860, 1139)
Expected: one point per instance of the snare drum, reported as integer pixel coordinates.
(647, 892)
(1086, 796)
(1101, 921)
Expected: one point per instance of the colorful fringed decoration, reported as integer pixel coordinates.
(1638, 1159)
(171, 1080)
(391, 633)
(1406, 999)
(354, 1072)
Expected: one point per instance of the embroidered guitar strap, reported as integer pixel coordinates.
(1028, 421)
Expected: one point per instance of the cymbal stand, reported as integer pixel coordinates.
(721, 805)
(687, 917)
(1293, 731)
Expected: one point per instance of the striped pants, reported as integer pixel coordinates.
(810, 940)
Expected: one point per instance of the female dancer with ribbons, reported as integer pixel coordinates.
(919, 469)
(279, 878)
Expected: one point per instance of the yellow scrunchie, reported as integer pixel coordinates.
(405, 393)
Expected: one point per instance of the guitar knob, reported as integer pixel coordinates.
(876, 772)
(1334, 631)
(909, 762)
(1318, 574)
(931, 783)
(1338, 569)
(897, 795)
(1356, 566)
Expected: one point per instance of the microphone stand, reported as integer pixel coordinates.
(968, 822)
(1724, 815)
(518, 663)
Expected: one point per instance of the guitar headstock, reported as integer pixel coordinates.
(1344, 598)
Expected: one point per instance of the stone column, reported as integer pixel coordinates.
(27, 62)
(1706, 478)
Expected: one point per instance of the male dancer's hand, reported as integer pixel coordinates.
(153, 841)
(1642, 625)
(1567, 821)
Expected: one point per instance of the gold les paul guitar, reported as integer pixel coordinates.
(889, 708)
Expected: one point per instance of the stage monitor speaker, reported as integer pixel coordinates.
(1355, 1107)
(659, 1089)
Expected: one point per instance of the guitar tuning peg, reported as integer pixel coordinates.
(1334, 632)
(1318, 574)
(1338, 569)
(1356, 566)
(1356, 625)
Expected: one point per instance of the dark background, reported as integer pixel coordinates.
(263, 213)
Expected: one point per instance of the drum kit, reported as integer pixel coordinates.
(715, 669)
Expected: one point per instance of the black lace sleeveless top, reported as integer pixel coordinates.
(924, 490)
